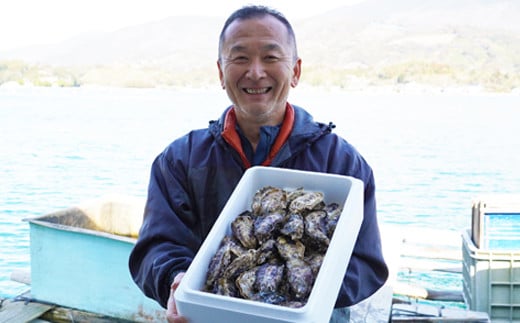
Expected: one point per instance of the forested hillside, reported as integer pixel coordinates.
(442, 44)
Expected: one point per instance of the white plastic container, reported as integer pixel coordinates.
(202, 307)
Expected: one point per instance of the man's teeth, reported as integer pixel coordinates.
(257, 91)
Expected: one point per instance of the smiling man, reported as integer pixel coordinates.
(258, 64)
(192, 179)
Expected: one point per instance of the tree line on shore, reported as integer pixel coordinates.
(423, 73)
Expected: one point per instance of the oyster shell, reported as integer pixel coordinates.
(226, 287)
(244, 262)
(272, 298)
(269, 199)
(314, 260)
(290, 249)
(294, 227)
(267, 252)
(306, 202)
(243, 229)
(266, 225)
(333, 211)
(299, 277)
(221, 259)
(268, 278)
(293, 194)
(245, 283)
(315, 231)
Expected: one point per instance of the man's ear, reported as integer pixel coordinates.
(297, 70)
(221, 75)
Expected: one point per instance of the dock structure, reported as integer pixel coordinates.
(423, 250)
(23, 309)
(17, 311)
(413, 250)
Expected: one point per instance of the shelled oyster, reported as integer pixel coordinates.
(276, 248)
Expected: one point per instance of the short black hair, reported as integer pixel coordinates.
(254, 11)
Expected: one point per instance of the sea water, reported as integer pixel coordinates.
(432, 153)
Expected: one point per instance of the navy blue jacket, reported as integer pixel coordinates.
(192, 179)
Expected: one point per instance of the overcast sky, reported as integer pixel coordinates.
(29, 22)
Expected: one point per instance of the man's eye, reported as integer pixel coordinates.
(271, 58)
(240, 59)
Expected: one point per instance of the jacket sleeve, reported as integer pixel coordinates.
(166, 244)
(367, 270)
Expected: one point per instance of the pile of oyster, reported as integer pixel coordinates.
(276, 249)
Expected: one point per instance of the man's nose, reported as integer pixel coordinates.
(256, 69)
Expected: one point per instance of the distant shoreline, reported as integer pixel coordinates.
(413, 77)
(409, 88)
(398, 46)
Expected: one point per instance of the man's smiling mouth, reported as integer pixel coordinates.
(262, 90)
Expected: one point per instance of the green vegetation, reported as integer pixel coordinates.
(117, 75)
(436, 75)
(38, 75)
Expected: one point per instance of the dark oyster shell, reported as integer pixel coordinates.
(314, 260)
(315, 230)
(294, 227)
(272, 298)
(300, 277)
(244, 262)
(243, 229)
(221, 260)
(226, 287)
(267, 252)
(333, 211)
(266, 225)
(268, 278)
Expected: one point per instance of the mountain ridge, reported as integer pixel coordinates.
(467, 41)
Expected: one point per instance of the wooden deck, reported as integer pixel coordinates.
(17, 311)
(22, 309)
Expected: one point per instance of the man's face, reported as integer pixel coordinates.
(257, 68)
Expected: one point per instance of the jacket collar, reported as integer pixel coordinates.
(232, 137)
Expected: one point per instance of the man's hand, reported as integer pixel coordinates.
(171, 312)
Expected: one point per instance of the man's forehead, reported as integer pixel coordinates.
(265, 26)
(238, 47)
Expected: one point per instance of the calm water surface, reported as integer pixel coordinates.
(432, 154)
